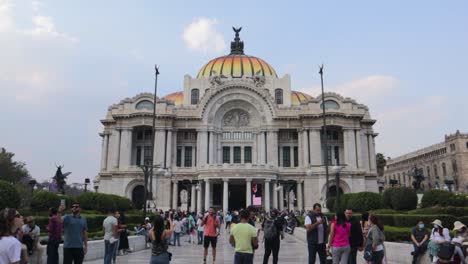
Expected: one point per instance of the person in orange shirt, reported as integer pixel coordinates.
(211, 223)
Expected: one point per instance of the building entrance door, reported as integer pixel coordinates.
(138, 197)
(236, 196)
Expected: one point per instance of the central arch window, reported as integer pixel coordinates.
(279, 96)
(330, 104)
(145, 104)
(194, 96)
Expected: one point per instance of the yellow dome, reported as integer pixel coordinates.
(237, 66)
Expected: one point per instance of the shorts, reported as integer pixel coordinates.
(208, 239)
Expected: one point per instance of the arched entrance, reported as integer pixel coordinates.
(138, 197)
(332, 191)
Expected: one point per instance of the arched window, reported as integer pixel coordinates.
(330, 104)
(428, 171)
(279, 96)
(195, 96)
(444, 169)
(435, 171)
(145, 104)
(454, 166)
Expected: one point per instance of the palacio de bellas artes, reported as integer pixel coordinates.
(237, 134)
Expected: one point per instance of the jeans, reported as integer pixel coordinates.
(52, 252)
(73, 255)
(162, 258)
(352, 255)
(377, 257)
(340, 255)
(314, 249)
(418, 251)
(271, 246)
(243, 258)
(200, 237)
(109, 251)
(116, 249)
(177, 238)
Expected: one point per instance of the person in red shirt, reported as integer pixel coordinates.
(211, 223)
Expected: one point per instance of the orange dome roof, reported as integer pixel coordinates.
(237, 66)
(296, 97)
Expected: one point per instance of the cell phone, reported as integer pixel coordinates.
(62, 202)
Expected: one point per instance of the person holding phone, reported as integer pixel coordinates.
(211, 223)
(54, 229)
(75, 228)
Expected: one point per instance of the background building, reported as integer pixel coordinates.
(237, 135)
(441, 164)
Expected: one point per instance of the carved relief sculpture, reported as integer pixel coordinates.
(236, 118)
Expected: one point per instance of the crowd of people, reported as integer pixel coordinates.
(335, 240)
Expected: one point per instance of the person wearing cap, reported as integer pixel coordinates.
(419, 237)
(461, 231)
(458, 255)
(439, 235)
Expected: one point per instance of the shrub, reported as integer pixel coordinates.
(404, 199)
(331, 203)
(121, 203)
(449, 210)
(102, 202)
(364, 201)
(437, 197)
(387, 197)
(43, 200)
(9, 197)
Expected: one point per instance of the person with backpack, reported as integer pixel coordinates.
(272, 227)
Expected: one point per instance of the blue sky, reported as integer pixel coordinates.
(64, 62)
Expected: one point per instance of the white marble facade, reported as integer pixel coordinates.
(236, 128)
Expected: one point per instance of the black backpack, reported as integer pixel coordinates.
(446, 251)
(270, 231)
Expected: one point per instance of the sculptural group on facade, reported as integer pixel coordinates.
(236, 118)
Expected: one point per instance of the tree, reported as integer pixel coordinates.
(381, 163)
(11, 171)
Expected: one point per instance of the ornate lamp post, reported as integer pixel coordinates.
(86, 182)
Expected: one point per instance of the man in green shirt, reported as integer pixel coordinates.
(244, 239)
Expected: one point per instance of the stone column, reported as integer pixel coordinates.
(116, 148)
(255, 149)
(272, 138)
(192, 199)
(266, 195)
(125, 148)
(158, 155)
(225, 195)
(300, 146)
(199, 200)
(275, 196)
(305, 148)
(299, 195)
(211, 148)
(207, 194)
(169, 149)
(372, 159)
(357, 137)
(281, 199)
(175, 194)
(248, 192)
(105, 150)
(349, 148)
(261, 147)
(315, 147)
(202, 143)
(365, 151)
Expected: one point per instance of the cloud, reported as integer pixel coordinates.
(6, 21)
(202, 36)
(44, 26)
(35, 87)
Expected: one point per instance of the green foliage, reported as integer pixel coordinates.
(331, 203)
(441, 198)
(387, 197)
(449, 210)
(102, 202)
(11, 171)
(364, 201)
(9, 197)
(404, 199)
(121, 203)
(381, 163)
(344, 199)
(43, 200)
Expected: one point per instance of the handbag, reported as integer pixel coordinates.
(368, 252)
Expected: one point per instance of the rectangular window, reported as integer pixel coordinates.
(286, 157)
(147, 155)
(148, 134)
(139, 135)
(226, 135)
(237, 154)
(188, 157)
(179, 157)
(247, 154)
(337, 155)
(296, 157)
(226, 155)
(138, 156)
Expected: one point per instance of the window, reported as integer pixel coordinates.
(226, 135)
(444, 169)
(148, 133)
(286, 157)
(145, 104)
(138, 156)
(454, 166)
(237, 154)
(435, 171)
(428, 171)
(140, 135)
(247, 154)
(147, 155)
(330, 104)
(194, 96)
(296, 157)
(337, 155)
(179, 157)
(226, 154)
(335, 135)
(279, 96)
(452, 147)
(188, 157)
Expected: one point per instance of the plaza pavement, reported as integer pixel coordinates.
(292, 251)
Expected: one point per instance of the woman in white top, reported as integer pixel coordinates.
(10, 247)
(200, 230)
(439, 235)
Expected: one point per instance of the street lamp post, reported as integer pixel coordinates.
(337, 169)
(86, 182)
(324, 137)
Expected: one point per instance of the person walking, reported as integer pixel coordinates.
(244, 239)
(110, 228)
(316, 225)
(54, 229)
(340, 230)
(159, 237)
(75, 240)
(200, 230)
(191, 228)
(420, 238)
(10, 246)
(374, 252)
(211, 223)
(177, 231)
(356, 240)
(228, 220)
(272, 227)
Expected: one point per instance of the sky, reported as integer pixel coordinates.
(62, 63)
